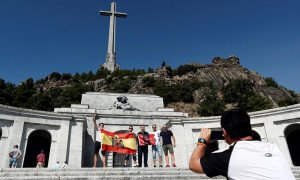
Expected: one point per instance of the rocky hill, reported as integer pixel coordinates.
(200, 80)
(198, 89)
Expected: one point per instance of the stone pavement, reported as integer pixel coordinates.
(108, 173)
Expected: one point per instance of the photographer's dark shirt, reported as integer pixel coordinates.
(166, 137)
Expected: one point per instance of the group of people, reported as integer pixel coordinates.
(164, 142)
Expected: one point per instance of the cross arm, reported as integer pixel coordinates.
(105, 13)
(122, 15)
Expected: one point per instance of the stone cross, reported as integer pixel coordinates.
(110, 62)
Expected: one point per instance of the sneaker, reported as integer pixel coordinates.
(167, 165)
(160, 166)
(174, 165)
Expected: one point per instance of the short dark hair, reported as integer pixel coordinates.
(236, 122)
(16, 146)
(102, 124)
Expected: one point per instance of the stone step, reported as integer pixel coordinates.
(124, 177)
(106, 173)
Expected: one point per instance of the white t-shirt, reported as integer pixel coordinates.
(15, 152)
(248, 160)
(157, 137)
(98, 134)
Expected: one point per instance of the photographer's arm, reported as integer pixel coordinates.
(198, 153)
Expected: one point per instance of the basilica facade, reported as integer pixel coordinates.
(68, 133)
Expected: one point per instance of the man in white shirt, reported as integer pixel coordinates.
(156, 149)
(98, 143)
(14, 155)
(245, 158)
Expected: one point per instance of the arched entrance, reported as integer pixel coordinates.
(292, 134)
(119, 158)
(38, 140)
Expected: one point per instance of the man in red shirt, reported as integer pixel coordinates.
(40, 159)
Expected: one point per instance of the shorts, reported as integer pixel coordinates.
(168, 147)
(156, 149)
(97, 147)
(128, 155)
(12, 162)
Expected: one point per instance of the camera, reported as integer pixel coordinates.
(216, 135)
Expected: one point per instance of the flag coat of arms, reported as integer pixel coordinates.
(118, 142)
(146, 139)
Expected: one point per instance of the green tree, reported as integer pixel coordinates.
(241, 91)
(122, 87)
(148, 81)
(66, 76)
(72, 95)
(211, 105)
(102, 73)
(6, 92)
(184, 69)
(23, 93)
(55, 76)
(271, 82)
(287, 102)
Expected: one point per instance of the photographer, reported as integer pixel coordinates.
(245, 158)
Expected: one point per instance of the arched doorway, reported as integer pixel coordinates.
(119, 158)
(38, 140)
(292, 134)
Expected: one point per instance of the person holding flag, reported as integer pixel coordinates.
(98, 143)
(130, 129)
(144, 141)
(156, 146)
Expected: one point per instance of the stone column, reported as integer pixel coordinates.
(75, 151)
(16, 137)
(4, 149)
(62, 144)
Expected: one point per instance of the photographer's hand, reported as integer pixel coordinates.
(206, 134)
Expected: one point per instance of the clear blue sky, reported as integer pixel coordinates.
(38, 37)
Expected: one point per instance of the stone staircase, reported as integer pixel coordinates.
(108, 173)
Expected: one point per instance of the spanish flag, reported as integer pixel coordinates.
(118, 142)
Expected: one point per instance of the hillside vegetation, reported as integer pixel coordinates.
(200, 90)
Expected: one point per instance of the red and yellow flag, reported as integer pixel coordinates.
(118, 142)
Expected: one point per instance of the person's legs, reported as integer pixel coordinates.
(134, 159)
(96, 153)
(159, 152)
(165, 148)
(10, 162)
(171, 150)
(145, 151)
(140, 153)
(95, 159)
(14, 164)
(103, 158)
(126, 160)
(154, 149)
